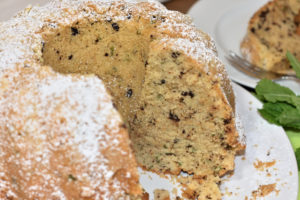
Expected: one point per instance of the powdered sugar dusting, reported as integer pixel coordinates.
(197, 50)
(26, 42)
(57, 130)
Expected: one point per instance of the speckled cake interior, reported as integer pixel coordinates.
(176, 117)
(165, 81)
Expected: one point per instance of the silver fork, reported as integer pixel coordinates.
(245, 66)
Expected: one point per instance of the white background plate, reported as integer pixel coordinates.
(262, 138)
(9, 8)
(226, 21)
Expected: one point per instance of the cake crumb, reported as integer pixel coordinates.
(261, 166)
(264, 190)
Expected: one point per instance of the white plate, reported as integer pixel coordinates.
(265, 143)
(262, 140)
(226, 21)
(10, 7)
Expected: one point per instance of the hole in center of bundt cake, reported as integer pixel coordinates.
(176, 113)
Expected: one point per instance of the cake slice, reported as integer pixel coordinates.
(272, 31)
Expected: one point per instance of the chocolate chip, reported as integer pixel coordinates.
(263, 14)
(228, 147)
(189, 93)
(173, 117)
(74, 31)
(43, 47)
(129, 93)
(72, 178)
(181, 75)
(175, 54)
(253, 30)
(227, 121)
(170, 154)
(70, 57)
(184, 93)
(115, 26)
(106, 54)
(163, 81)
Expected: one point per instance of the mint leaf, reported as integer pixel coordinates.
(294, 62)
(296, 102)
(297, 154)
(273, 111)
(281, 105)
(273, 92)
(268, 116)
(290, 118)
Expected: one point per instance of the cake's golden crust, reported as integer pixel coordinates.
(60, 133)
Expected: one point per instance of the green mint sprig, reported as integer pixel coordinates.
(297, 154)
(281, 105)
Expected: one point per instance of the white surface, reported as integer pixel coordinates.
(226, 21)
(261, 136)
(266, 143)
(9, 8)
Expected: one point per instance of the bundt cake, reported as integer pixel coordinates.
(272, 31)
(71, 70)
